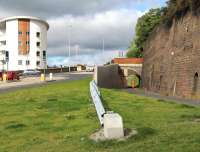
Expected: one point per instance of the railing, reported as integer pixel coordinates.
(95, 94)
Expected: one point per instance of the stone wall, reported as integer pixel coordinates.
(172, 59)
(109, 76)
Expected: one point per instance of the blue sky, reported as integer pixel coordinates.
(143, 6)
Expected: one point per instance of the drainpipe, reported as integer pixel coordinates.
(174, 91)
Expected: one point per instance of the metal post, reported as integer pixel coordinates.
(69, 44)
(45, 67)
(3, 63)
(7, 66)
(27, 61)
(77, 49)
(103, 46)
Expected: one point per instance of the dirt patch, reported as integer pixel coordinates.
(99, 135)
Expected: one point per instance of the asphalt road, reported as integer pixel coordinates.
(66, 76)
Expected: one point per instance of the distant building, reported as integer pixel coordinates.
(23, 43)
(81, 67)
(129, 65)
(131, 69)
(89, 68)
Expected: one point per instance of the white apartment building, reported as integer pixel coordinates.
(23, 43)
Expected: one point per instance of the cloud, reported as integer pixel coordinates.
(116, 28)
(90, 59)
(49, 8)
(92, 22)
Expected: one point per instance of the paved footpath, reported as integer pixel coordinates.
(141, 92)
(31, 82)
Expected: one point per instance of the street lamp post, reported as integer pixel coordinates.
(69, 44)
(103, 46)
(77, 50)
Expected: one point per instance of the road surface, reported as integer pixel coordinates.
(31, 82)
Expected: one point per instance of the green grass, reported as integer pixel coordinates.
(60, 117)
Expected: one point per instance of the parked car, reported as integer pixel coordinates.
(11, 75)
(31, 72)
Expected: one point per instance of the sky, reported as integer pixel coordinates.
(87, 23)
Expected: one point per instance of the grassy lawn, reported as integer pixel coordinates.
(60, 117)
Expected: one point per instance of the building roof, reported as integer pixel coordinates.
(128, 60)
(2, 21)
(81, 65)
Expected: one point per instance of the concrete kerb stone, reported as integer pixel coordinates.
(113, 126)
(112, 123)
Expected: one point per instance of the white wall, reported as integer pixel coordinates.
(2, 45)
(12, 46)
(35, 27)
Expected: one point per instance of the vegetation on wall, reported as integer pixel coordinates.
(134, 51)
(144, 27)
(175, 9)
(178, 8)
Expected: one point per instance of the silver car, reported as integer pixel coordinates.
(31, 72)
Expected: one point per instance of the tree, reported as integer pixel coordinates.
(134, 51)
(144, 27)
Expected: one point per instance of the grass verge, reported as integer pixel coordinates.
(60, 117)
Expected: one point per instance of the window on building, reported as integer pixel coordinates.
(161, 80)
(19, 62)
(27, 42)
(3, 43)
(19, 33)
(38, 34)
(7, 56)
(27, 33)
(27, 62)
(20, 43)
(38, 44)
(195, 85)
(38, 53)
(38, 63)
(44, 55)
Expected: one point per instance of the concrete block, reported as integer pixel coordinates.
(4, 77)
(108, 76)
(42, 78)
(51, 76)
(113, 126)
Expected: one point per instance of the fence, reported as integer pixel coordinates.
(95, 94)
